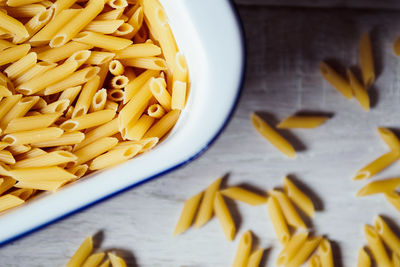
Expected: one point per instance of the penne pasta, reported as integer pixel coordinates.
(158, 89)
(337, 81)
(49, 159)
(111, 15)
(291, 248)
(107, 42)
(363, 258)
(306, 122)
(147, 144)
(124, 30)
(207, 204)
(119, 81)
(388, 236)
(23, 193)
(60, 53)
(396, 47)
(6, 157)
(94, 260)
(299, 198)
(94, 149)
(137, 130)
(395, 260)
(381, 186)
(389, 138)
(111, 105)
(25, 11)
(288, 210)
(108, 129)
(16, 150)
(78, 170)
(61, 5)
(155, 111)
(116, 68)
(36, 70)
(99, 100)
(19, 110)
(304, 252)
(366, 60)
(134, 86)
(164, 125)
(31, 136)
(278, 220)
(376, 246)
(7, 184)
(106, 263)
(187, 215)
(58, 106)
(255, 258)
(138, 50)
(45, 185)
(20, 66)
(34, 152)
(238, 193)
(315, 261)
(243, 250)
(104, 26)
(51, 173)
(85, 97)
(9, 201)
(394, 199)
(359, 91)
(8, 103)
(70, 94)
(149, 63)
(116, 95)
(325, 252)
(14, 53)
(114, 157)
(273, 136)
(100, 57)
(13, 26)
(82, 253)
(116, 261)
(87, 121)
(377, 165)
(178, 98)
(224, 216)
(4, 44)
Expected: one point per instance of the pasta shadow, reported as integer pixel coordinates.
(127, 255)
(271, 119)
(264, 258)
(394, 226)
(317, 201)
(306, 112)
(98, 239)
(253, 189)
(337, 254)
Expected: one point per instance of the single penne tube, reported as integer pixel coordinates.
(100, 57)
(158, 89)
(315, 261)
(61, 5)
(115, 260)
(7, 184)
(7, 103)
(111, 105)
(117, 3)
(36, 70)
(138, 50)
(21, 65)
(95, 149)
(99, 100)
(181, 70)
(4, 44)
(77, 78)
(359, 91)
(278, 220)
(306, 122)
(82, 253)
(289, 211)
(34, 25)
(47, 173)
(50, 159)
(100, 40)
(137, 130)
(34, 152)
(83, 103)
(53, 55)
(243, 250)
(13, 26)
(178, 98)
(238, 193)
(108, 129)
(366, 60)
(119, 81)
(381, 186)
(377, 165)
(155, 111)
(23, 193)
(17, 150)
(376, 247)
(14, 53)
(188, 213)
(116, 68)
(146, 143)
(124, 30)
(207, 204)
(15, 3)
(6, 157)
(111, 15)
(337, 81)
(273, 136)
(149, 63)
(388, 236)
(224, 217)
(136, 17)
(394, 199)
(94, 260)
(42, 184)
(77, 23)
(116, 94)
(3, 145)
(78, 170)
(56, 106)
(304, 252)
(255, 258)
(104, 26)
(87, 121)
(298, 197)
(4, 91)
(363, 258)
(114, 157)
(325, 253)
(396, 47)
(135, 85)
(389, 138)
(164, 125)
(19, 110)
(290, 249)
(31, 136)
(25, 11)
(70, 94)
(9, 201)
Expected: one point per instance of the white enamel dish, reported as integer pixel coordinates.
(209, 34)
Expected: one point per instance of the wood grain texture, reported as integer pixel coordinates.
(284, 50)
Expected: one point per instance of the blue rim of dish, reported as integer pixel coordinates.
(239, 24)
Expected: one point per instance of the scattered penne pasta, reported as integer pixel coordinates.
(224, 217)
(278, 220)
(381, 186)
(359, 91)
(307, 122)
(377, 165)
(363, 258)
(188, 214)
(337, 81)
(243, 250)
(244, 195)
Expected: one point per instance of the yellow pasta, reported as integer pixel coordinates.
(104, 26)
(19, 110)
(108, 129)
(116, 68)
(396, 47)
(23, 193)
(119, 81)
(77, 78)
(395, 260)
(147, 144)
(207, 204)
(363, 258)
(52, 55)
(164, 125)
(102, 41)
(135, 85)
(159, 91)
(8, 103)
(49, 159)
(70, 94)
(57, 106)
(124, 30)
(315, 261)
(381, 186)
(376, 246)
(178, 98)
(243, 250)
(82, 253)
(25, 11)
(304, 252)
(6, 157)
(4, 44)
(94, 260)
(37, 135)
(273, 136)
(95, 149)
(83, 103)
(77, 23)
(298, 197)
(16, 150)
(359, 91)
(155, 111)
(36, 70)
(111, 15)
(116, 261)
(255, 258)
(14, 53)
(7, 184)
(111, 105)
(389, 138)
(105, 264)
(13, 26)
(325, 252)
(78, 170)
(89, 120)
(30, 154)
(21, 65)
(307, 122)
(366, 60)
(9, 201)
(99, 100)
(116, 94)
(337, 81)
(390, 238)
(394, 199)
(60, 5)
(188, 213)
(288, 210)
(150, 63)
(291, 248)
(138, 50)
(377, 165)
(114, 157)
(224, 217)
(137, 130)
(244, 195)
(34, 25)
(278, 220)
(100, 57)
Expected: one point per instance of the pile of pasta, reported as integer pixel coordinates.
(84, 85)
(282, 207)
(84, 257)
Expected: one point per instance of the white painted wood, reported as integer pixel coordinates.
(285, 47)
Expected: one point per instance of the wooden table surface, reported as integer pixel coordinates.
(285, 45)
